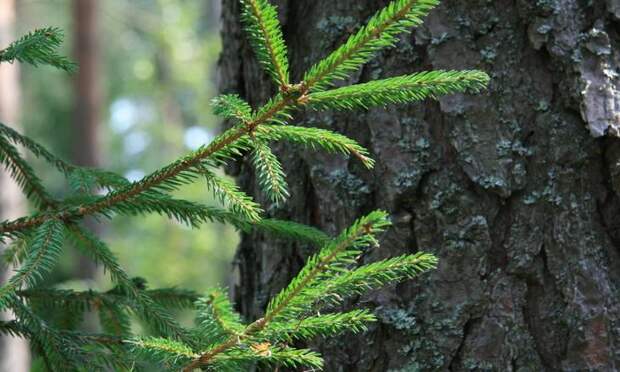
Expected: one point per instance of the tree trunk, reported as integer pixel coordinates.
(516, 191)
(14, 352)
(87, 101)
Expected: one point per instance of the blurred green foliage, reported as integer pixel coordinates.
(157, 75)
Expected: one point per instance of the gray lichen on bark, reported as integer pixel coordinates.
(517, 191)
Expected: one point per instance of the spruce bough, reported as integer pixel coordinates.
(221, 340)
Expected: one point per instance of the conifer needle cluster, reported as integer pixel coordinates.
(221, 340)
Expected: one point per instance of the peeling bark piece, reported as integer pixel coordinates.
(600, 107)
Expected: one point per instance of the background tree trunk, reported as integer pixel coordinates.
(14, 352)
(88, 102)
(517, 191)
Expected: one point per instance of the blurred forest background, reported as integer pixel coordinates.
(140, 99)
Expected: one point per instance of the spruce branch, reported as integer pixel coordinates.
(60, 352)
(80, 178)
(357, 236)
(38, 150)
(231, 106)
(335, 290)
(38, 48)
(216, 319)
(265, 34)
(381, 31)
(168, 178)
(270, 174)
(170, 353)
(100, 339)
(15, 252)
(277, 228)
(65, 350)
(190, 213)
(143, 305)
(336, 254)
(229, 194)
(88, 180)
(265, 354)
(194, 214)
(228, 145)
(183, 171)
(327, 325)
(291, 230)
(13, 328)
(81, 182)
(40, 259)
(326, 277)
(52, 297)
(316, 138)
(105, 352)
(173, 298)
(100, 253)
(23, 174)
(187, 212)
(398, 90)
(278, 110)
(113, 318)
(160, 320)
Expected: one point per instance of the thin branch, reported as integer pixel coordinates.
(267, 22)
(261, 323)
(361, 43)
(154, 179)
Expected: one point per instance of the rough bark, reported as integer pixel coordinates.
(14, 352)
(516, 191)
